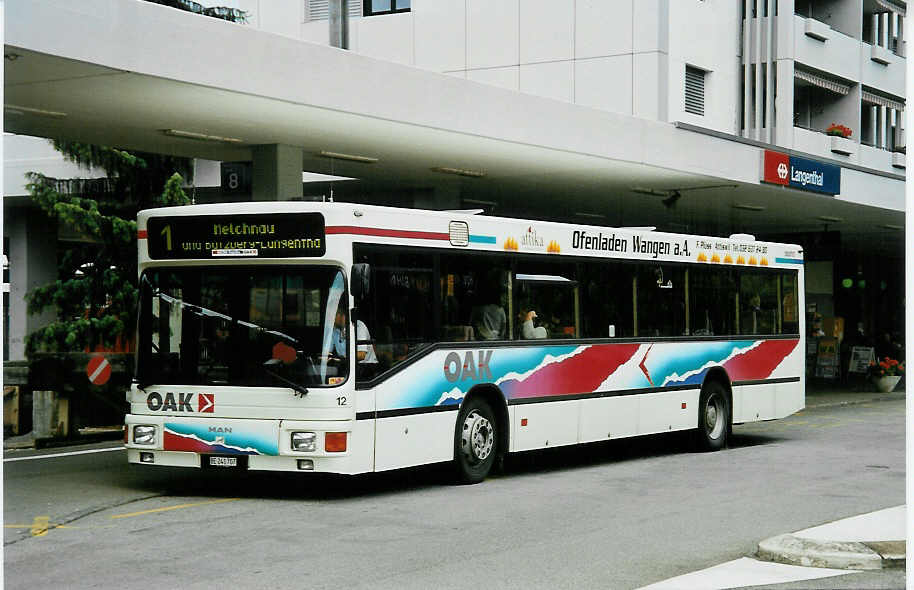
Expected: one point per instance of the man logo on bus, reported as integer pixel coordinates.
(455, 370)
(782, 171)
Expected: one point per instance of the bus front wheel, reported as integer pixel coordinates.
(713, 417)
(475, 441)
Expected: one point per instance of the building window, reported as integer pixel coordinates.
(694, 91)
(376, 7)
(320, 9)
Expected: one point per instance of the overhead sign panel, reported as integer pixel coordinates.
(801, 173)
(284, 235)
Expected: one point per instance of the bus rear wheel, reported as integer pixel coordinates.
(475, 441)
(713, 417)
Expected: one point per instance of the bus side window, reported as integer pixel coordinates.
(606, 299)
(710, 314)
(551, 291)
(660, 301)
(758, 302)
(473, 297)
(398, 311)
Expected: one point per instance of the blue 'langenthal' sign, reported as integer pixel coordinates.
(815, 176)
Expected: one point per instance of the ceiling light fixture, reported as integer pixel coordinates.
(590, 215)
(480, 202)
(650, 191)
(459, 171)
(14, 109)
(200, 136)
(349, 157)
(746, 207)
(892, 226)
(671, 199)
(830, 218)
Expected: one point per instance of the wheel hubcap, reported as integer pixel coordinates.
(714, 417)
(477, 438)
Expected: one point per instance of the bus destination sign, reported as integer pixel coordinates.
(284, 235)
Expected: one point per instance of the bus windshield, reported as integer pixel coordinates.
(266, 326)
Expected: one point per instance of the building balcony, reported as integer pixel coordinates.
(817, 143)
(820, 47)
(842, 146)
(880, 159)
(817, 30)
(882, 69)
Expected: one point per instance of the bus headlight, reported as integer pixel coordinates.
(304, 441)
(144, 435)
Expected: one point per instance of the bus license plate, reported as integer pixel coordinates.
(223, 461)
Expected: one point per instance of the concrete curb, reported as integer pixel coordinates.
(833, 554)
(85, 436)
(850, 402)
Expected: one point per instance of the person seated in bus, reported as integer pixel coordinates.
(364, 353)
(489, 321)
(528, 331)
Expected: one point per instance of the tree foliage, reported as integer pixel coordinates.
(95, 294)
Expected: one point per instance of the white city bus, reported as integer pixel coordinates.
(344, 338)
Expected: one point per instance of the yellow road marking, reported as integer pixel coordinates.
(50, 526)
(40, 526)
(176, 507)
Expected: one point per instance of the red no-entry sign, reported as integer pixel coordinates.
(99, 370)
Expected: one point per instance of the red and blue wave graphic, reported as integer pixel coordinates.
(615, 367)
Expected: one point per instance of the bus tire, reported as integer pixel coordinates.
(713, 417)
(475, 441)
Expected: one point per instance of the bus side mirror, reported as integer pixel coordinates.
(360, 281)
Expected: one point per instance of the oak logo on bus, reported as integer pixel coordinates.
(473, 367)
(156, 402)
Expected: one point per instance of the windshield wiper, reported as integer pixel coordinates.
(300, 390)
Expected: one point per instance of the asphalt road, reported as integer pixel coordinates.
(621, 514)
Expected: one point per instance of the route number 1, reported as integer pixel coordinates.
(166, 231)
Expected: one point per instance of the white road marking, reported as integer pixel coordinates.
(71, 453)
(745, 572)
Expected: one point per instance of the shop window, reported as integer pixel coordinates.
(378, 7)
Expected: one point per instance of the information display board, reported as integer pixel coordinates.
(827, 360)
(861, 357)
(260, 235)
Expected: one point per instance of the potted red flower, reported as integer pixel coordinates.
(839, 130)
(886, 373)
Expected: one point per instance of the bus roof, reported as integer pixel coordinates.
(467, 230)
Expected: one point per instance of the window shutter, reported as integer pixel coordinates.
(694, 91)
(320, 9)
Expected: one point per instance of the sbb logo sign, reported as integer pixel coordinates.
(782, 171)
(777, 168)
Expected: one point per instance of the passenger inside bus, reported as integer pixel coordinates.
(528, 331)
(488, 318)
